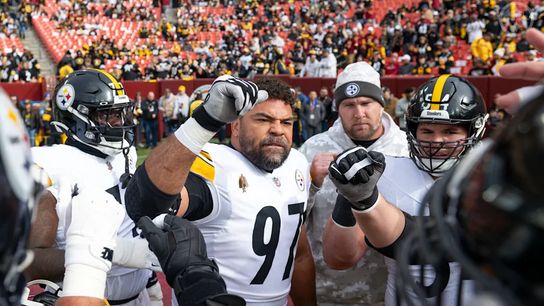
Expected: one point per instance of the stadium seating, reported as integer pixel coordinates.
(7, 44)
(58, 39)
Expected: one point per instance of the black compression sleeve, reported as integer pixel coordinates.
(415, 258)
(389, 250)
(200, 198)
(143, 198)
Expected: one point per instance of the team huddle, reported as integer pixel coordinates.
(430, 215)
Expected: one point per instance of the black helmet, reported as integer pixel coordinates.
(17, 195)
(445, 99)
(489, 213)
(93, 109)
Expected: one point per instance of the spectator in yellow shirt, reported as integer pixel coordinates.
(65, 70)
(482, 48)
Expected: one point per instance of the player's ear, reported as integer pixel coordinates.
(235, 128)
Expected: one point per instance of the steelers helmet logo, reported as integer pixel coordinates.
(299, 178)
(65, 96)
(352, 90)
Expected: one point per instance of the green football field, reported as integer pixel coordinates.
(142, 154)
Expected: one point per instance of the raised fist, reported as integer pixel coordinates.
(320, 167)
(228, 98)
(355, 173)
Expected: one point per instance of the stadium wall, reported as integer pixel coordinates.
(488, 85)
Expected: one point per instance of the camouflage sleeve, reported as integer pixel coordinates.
(311, 198)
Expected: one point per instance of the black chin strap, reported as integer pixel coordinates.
(125, 178)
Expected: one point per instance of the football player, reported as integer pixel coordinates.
(445, 119)
(361, 121)
(248, 199)
(89, 248)
(94, 112)
(17, 194)
(20, 186)
(486, 215)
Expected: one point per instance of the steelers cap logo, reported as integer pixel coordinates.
(65, 96)
(352, 90)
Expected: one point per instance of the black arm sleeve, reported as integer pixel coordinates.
(143, 198)
(390, 250)
(408, 235)
(200, 198)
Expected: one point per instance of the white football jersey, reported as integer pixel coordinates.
(253, 230)
(69, 169)
(405, 186)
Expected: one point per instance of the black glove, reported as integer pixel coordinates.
(181, 251)
(228, 98)
(179, 246)
(355, 173)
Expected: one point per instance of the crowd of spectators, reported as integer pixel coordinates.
(71, 14)
(298, 38)
(37, 116)
(316, 38)
(16, 63)
(19, 66)
(15, 17)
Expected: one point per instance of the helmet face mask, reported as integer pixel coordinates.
(437, 157)
(92, 108)
(110, 123)
(444, 100)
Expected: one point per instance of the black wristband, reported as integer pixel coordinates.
(206, 121)
(368, 202)
(341, 214)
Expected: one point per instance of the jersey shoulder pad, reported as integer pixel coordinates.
(203, 166)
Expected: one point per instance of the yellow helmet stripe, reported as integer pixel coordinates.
(116, 84)
(437, 91)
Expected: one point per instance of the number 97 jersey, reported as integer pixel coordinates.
(253, 230)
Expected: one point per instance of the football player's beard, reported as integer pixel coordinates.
(257, 155)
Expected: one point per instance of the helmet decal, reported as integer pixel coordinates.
(87, 103)
(65, 96)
